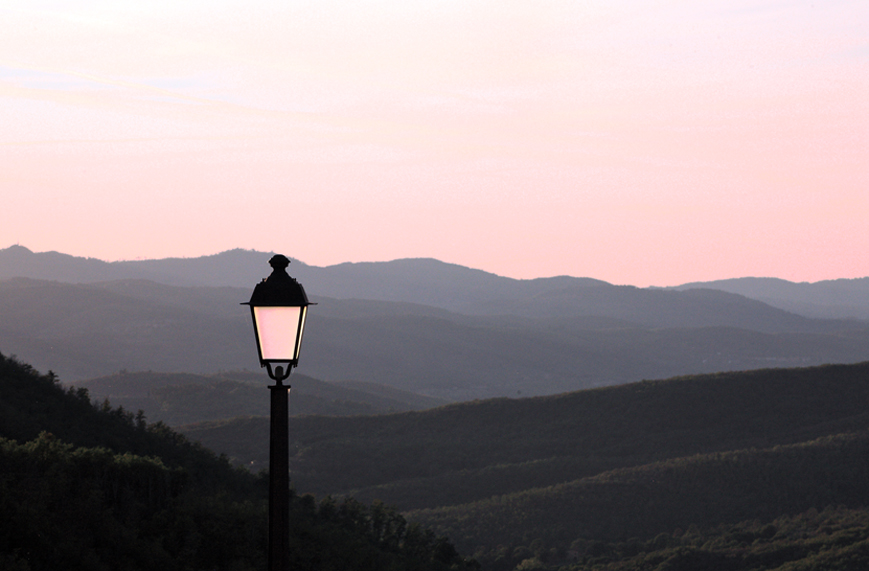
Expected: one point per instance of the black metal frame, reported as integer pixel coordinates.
(278, 374)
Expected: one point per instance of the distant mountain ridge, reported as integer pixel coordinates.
(224, 269)
(419, 280)
(92, 330)
(422, 326)
(429, 282)
(842, 298)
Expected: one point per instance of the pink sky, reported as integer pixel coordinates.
(638, 142)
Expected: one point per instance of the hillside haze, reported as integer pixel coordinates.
(94, 330)
(443, 331)
(422, 281)
(842, 298)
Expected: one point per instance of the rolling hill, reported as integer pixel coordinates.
(184, 398)
(615, 464)
(738, 471)
(88, 486)
(577, 433)
(94, 330)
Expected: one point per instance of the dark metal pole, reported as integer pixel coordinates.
(279, 478)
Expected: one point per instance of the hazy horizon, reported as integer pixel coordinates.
(140, 259)
(632, 142)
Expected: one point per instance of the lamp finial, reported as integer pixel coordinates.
(279, 262)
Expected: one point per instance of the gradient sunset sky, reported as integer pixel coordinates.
(638, 142)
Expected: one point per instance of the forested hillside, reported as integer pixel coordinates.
(89, 486)
(473, 450)
(737, 471)
(184, 398)
(704, 491)
(612, 467)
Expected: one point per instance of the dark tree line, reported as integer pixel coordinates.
(87, 486)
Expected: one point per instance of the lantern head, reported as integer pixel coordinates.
(278, 307)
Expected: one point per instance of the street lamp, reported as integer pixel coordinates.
(278, 307)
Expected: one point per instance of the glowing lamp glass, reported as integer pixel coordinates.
(279, 332)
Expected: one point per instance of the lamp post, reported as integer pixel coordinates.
(278, 307)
